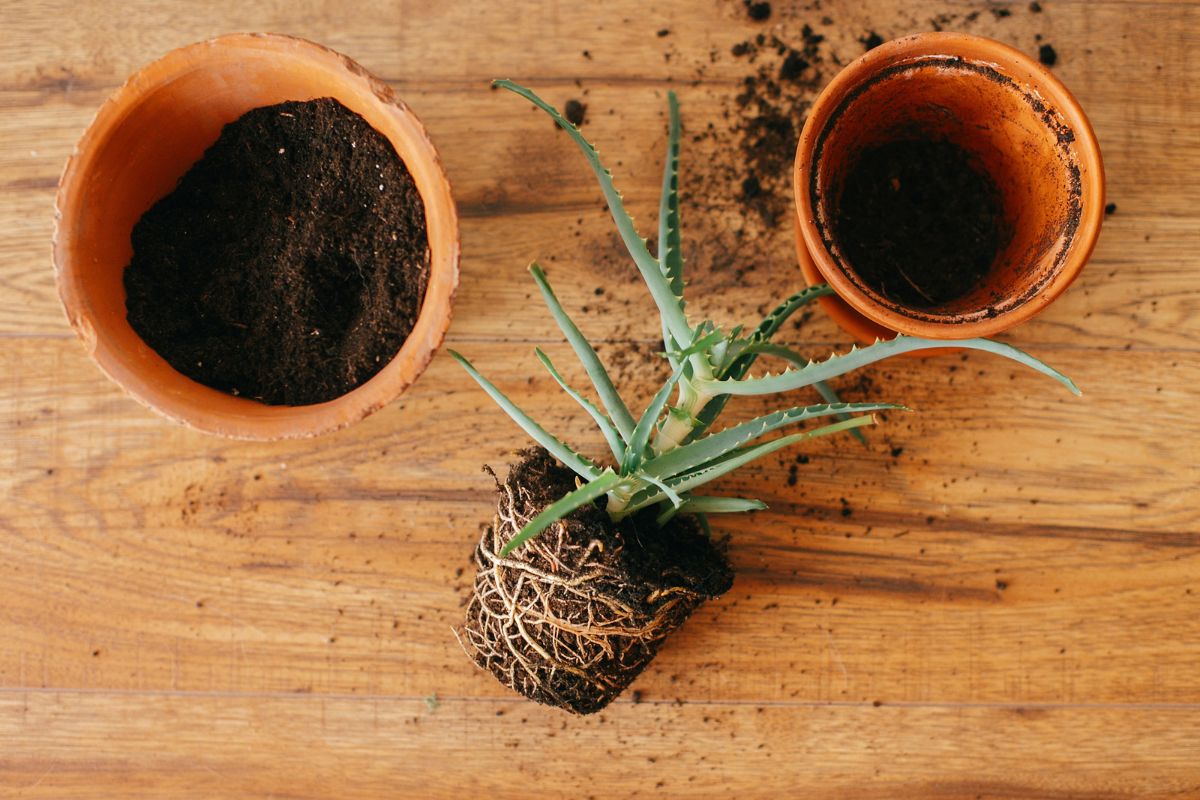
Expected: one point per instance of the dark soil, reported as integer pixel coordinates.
(630, 586)
(770, 113)
(759, 12)
(871, 41)
(575, 112)
(290, 262)
(1048, 55)
(919, 222)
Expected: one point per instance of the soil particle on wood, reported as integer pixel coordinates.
(1048, 55)
(575, 112)
(572, 617)
(290, 262)
(759, 12)
(871, 41)
(918, 221)
(770, 111)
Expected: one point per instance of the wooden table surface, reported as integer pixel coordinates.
(999, 597)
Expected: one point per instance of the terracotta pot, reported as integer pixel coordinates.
(1015, 118)
(146, 136)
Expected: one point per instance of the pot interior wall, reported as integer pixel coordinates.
(1008, 132)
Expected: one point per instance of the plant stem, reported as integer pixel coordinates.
(672, 434)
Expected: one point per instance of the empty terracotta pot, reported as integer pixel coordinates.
(146, 136)
(1015, 120)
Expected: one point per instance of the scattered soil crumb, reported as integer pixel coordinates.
(758, 12)
(575, 112)
(871, 41)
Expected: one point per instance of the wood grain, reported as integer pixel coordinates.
(998, 597)
(201, 746)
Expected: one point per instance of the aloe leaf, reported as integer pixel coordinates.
(702, 451)
(734, 461)
(840, 364)
(830, 396)
(696, 504)
(671, 346)
(736, 366)
(645, 426)
(824, 389)
(670, 304)
(558, 449)
(585, 494)
(587, 356)
(670, 252)
(670, 494)
(602, 422)
(774, 321)
(702, 344)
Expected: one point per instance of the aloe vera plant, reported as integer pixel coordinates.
(542, 622)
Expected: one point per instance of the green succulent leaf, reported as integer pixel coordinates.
(586, 354)
(673, 498)
(735, 366)
(734, 460)
(582, 466)
(701, 345)
(702, 451)
(840, 364)
(670, 304)
(588, 493)
(823, 388)
(611, 435)
(830, 396)
(774, 321)
(645, 426)
(671, 347)
(697, 504)
(670, 250)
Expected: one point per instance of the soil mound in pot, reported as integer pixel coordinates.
(919, 222)
(573, 616)
(290, 262)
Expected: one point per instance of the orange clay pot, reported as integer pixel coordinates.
(1019, 122)
(146, 136)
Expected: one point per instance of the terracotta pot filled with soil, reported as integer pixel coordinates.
(947, 186)
(256, 238)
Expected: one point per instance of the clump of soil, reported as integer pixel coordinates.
(573, 616)
(290, 262)
(918, 221)
(1048, 55)
(759, 12)
(575, 112)
(871, 41)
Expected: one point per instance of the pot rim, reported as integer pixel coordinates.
(997, 56)
(250, 419)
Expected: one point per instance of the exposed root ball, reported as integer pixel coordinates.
(574, 615)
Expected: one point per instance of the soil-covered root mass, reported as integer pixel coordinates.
(574, 615)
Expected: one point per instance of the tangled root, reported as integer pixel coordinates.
(574, 615)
